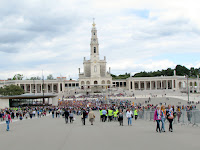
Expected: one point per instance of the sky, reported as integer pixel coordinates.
(134, 35)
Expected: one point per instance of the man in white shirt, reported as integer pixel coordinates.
(129, 115)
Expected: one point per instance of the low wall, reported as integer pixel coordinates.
(4, 103)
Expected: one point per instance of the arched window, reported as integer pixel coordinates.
(94, 49)
(95, 68)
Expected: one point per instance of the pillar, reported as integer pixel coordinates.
(58, 88)
(133, 85)
(47, 85)
(41, 87)
(156, 85)
(167, 84)
(35, 88)
(63, 87)
(139, 85)
(150, 85)
(145, 86)
(193, 87)
(30, 89)
(161, 86)
(25, 89)
(52, 88)
(172, 84)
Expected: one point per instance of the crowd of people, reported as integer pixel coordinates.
(113, 110)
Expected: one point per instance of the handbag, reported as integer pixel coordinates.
(171, 117)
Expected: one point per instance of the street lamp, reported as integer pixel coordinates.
(43, 87)
(188, 88)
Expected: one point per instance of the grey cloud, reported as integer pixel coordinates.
(8, 48)
(160, 29)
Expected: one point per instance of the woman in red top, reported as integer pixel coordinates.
(8, 120)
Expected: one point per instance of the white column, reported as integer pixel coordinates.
(47, 86)
(150, 85)
(167, 84)
(161, 84)
(25, 89)
(58, 87)
(133, 85)
(63, 87)
(52, 88)
(193, 87)
(145, 86)
(35, 88)
(156, 85)
(30, 89)
(139, 85)
(41, 88)
(172, 84)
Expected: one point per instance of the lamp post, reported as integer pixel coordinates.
(188, 88)
(34, 86)
(43, 87)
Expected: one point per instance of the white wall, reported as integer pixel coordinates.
(55, 101)
(4, 103)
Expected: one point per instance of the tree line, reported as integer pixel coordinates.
(180, 71)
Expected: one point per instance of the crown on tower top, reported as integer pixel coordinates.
(93, 22)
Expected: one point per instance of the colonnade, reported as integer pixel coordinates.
(47, 87)
(152, 85)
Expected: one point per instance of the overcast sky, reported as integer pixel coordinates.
(134, 35)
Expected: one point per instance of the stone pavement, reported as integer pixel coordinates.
(53, 134)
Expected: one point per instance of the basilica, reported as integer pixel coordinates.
(95, 75)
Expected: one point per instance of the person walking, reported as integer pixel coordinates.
(170, 117)
(101, 115)
(84, 116)
(157, 118)
(178, 113)
(115, 115)
(136, 113)
(91, 116)
(71, 116)
(104, 113)
(163, 117)
(120, 117)
(66, 114)
(52, 113)
(110, 115)
(129, 115)
(8, 120)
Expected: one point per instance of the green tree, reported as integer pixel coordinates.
(50, 77)
(18, 77)
(121, 76)
(35, 78)
(182, 70)
(9, 90)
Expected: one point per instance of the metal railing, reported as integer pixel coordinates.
(183, 117)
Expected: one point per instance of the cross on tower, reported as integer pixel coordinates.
(93, 22)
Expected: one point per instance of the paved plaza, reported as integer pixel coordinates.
(53, 134)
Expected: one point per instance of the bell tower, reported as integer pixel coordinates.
(94, 44)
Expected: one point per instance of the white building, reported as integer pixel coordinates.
(95, 76)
